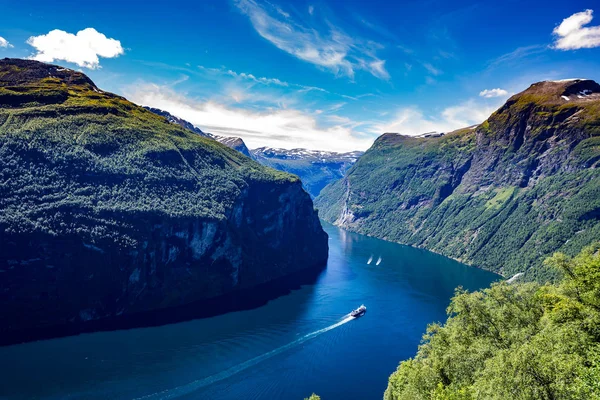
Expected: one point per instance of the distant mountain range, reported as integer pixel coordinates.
(503, 195)
(315, 168)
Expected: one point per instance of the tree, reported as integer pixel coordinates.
(520, 341)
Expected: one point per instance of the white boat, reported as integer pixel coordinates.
(359, 312)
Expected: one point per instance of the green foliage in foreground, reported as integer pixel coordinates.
(313, 397)
(523, 341)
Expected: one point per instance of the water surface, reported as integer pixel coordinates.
(300, 343)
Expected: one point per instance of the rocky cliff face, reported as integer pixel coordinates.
(108, 211)
(503, 195)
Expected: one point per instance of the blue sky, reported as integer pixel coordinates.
(327, 75)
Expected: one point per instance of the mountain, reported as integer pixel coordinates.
(178, 121)
(502, 195)
(315, 168)
(108, 211)
(235, 143)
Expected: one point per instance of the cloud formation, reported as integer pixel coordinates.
(276, 127)
(266, 81)
(433, 70)
(333, 50)
(4, 43)
(572, 34)
(489, 93)
(83, 48)
(412, 120)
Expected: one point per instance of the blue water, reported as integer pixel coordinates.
(300, 343)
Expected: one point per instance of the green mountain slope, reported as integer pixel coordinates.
(502, 196)
(107, 209)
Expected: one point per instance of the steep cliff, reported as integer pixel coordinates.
(108, 210)
(503, 195)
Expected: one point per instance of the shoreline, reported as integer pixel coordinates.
(240, 300)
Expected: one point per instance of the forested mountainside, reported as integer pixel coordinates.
(525, 341)
(315, 168)
(235, 143)
(503, 195)
(107, 209)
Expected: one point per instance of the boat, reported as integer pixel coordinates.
(359, 312)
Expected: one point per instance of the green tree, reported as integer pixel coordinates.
(521, 341)
(313, 397)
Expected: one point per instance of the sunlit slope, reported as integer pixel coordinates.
(503, 195)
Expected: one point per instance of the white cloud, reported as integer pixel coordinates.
(4, 43)
(276, 127)
(266, 81)
(311, 10)
(433, 70)
(489, 93)
(83, 48)
(412, 121)
(334, 50)
(517, 56)
(571, 34)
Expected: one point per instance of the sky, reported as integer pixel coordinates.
(326, 75)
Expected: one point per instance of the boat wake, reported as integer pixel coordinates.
(195, 385)
(378, 261)
(370, 259)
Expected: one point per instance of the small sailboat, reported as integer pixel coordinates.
(370, 259)
(378, 261)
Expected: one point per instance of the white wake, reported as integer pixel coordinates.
(378, 261)
(195, 385)
(370, 259)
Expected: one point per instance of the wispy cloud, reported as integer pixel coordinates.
(333, 50)
(572, 34)
(489, 93)
(432, 70)
(4, 43)
(517, 55)
(266, 81)
(276, 127)
(413, 121)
